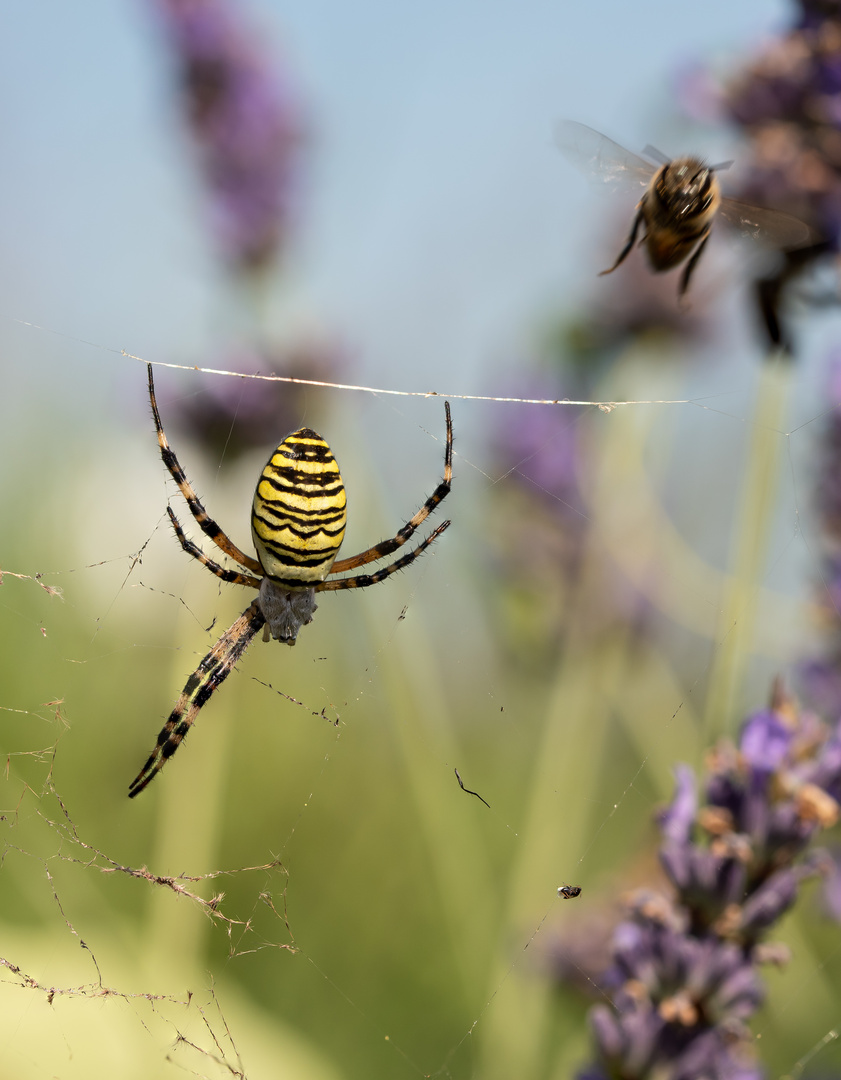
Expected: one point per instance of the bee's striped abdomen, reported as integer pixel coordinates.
(299, 513)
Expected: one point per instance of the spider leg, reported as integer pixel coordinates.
(208, 676)
(205, 522)
(192, 549)
(385, 547)
(362, 581)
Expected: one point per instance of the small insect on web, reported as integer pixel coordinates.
(569, 892)
(297, 523)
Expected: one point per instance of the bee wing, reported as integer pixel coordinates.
(772, 227)
(658, 155)
(655, 154)
(603, 160)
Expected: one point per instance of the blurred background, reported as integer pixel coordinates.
(371, 196)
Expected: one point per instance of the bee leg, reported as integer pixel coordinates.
(632, 239)
(693, 262)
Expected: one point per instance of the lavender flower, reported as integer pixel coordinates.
(234, 416)
(244, 123)
(541, 544)
(788, 102)
(540, 446)
(684, 977)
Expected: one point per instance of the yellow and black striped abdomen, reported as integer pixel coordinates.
(299, 513)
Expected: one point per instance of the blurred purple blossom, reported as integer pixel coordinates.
(684, 972)
(677, 819)
(787, 101)
(540, 455)
(538, 544)
(245, 123)
(539, 444)
(232, 416)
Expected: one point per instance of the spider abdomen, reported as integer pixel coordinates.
(299, 513)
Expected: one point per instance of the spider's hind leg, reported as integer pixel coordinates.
(208, 677)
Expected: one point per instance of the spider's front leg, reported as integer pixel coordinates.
(205, 522)
(208, 677)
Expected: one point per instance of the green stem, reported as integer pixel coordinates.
(737, 624)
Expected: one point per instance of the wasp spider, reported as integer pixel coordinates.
(297, 523)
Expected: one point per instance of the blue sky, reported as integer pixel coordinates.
(438, 218)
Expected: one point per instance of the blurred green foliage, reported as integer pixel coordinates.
(376, 920)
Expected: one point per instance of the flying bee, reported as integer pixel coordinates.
(681, 199)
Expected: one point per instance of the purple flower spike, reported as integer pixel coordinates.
(773, 899)
(827, 774)
(244, 124)
(740, 994)
(235, 416)
(712, 1057)
(607, 1032)
(685, 976)
(787, 100)
(707, 882)
(677, 820)
(628, 1039)
(765, 741)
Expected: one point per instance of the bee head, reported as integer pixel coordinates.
(686, 186)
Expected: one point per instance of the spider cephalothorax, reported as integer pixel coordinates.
(297, 523)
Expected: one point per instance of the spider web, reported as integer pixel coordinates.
(323, 779)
